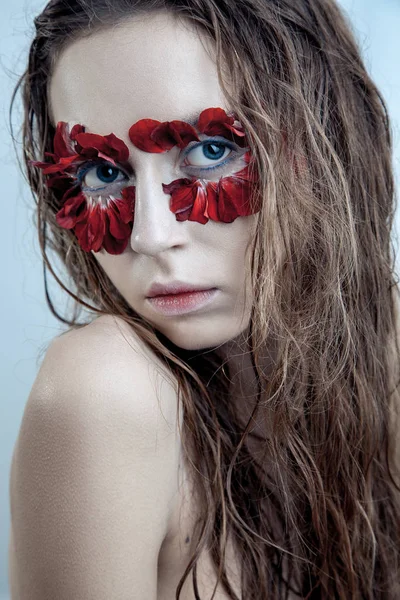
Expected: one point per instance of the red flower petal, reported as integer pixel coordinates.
(174, 133)
(59, 182)
(101, 155)
(59, 167)
(113, 245)
(233, 196)
(73, 210)
(64, 155)
(117, 228)
(184, 133)
(190, 199)
(91, 231)
(62, 143)
(119, 217)
(222, 201)
(94, 225)
(110, 146)
(183, 194)
(212, 201)
(140, 133)
(163, 136)
(98, 226)
(209, 116)
(127, 207)
(232, 200)
(199, 209)
(215, 121)
(120, 213)
(75, 130)
(62, 187)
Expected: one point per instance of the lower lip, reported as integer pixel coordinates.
(178, 304)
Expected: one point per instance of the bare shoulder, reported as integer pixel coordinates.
(94, 472)
(107, 356)
(115, 332)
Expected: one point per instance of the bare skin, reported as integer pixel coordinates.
(157, 68)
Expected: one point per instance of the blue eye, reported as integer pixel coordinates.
(97, 177)
(211, 151)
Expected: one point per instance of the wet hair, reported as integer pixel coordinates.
(316, 509)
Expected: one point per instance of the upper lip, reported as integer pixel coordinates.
(174, 287)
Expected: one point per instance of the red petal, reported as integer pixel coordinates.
(235, 192)
(188, 200)
(91, 144)
(127, 203)
(75, 130)
(233, 198)
(119, 228)
(101, 155)
(38, 163)
(163, 137)
(116, 148)
(63, 164)
(140, 133)
(200, 204)
(215, 121)
(62, 187)
(91, 231)
(174, 133)
(209, 116)
(59, 182)
(183, 194)
(64, 154)
(184, 214)
(212, 201)
(227, 201)
(114, 246)
(73, 210)
(62, 143)
(184, 133)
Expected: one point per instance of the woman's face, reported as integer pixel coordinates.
(154, 67)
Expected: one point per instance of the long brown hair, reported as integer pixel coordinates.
(321, 500)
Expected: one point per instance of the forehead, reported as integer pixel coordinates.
(152, 66)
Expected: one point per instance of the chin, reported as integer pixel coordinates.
(198, 336)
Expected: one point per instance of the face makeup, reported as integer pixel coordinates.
(98, 223)
(155, 77)
(106, 222)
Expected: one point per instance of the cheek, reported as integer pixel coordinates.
(113, 268)
(239, 235)
(233, 243)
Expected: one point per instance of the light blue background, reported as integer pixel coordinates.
(26, 323)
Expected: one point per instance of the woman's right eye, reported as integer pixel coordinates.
(98, 177)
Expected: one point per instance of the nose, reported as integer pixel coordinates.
(155, 228)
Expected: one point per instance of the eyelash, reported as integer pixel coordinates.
(87, 166)
(208, 143)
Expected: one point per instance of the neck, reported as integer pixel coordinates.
(236, 354)
(243, 383)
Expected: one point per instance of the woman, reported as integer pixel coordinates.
(242, 150)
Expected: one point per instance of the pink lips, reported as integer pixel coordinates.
(175, 287)
(185, 302)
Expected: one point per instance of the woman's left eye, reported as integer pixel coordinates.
(207, 154)
(100, 176)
